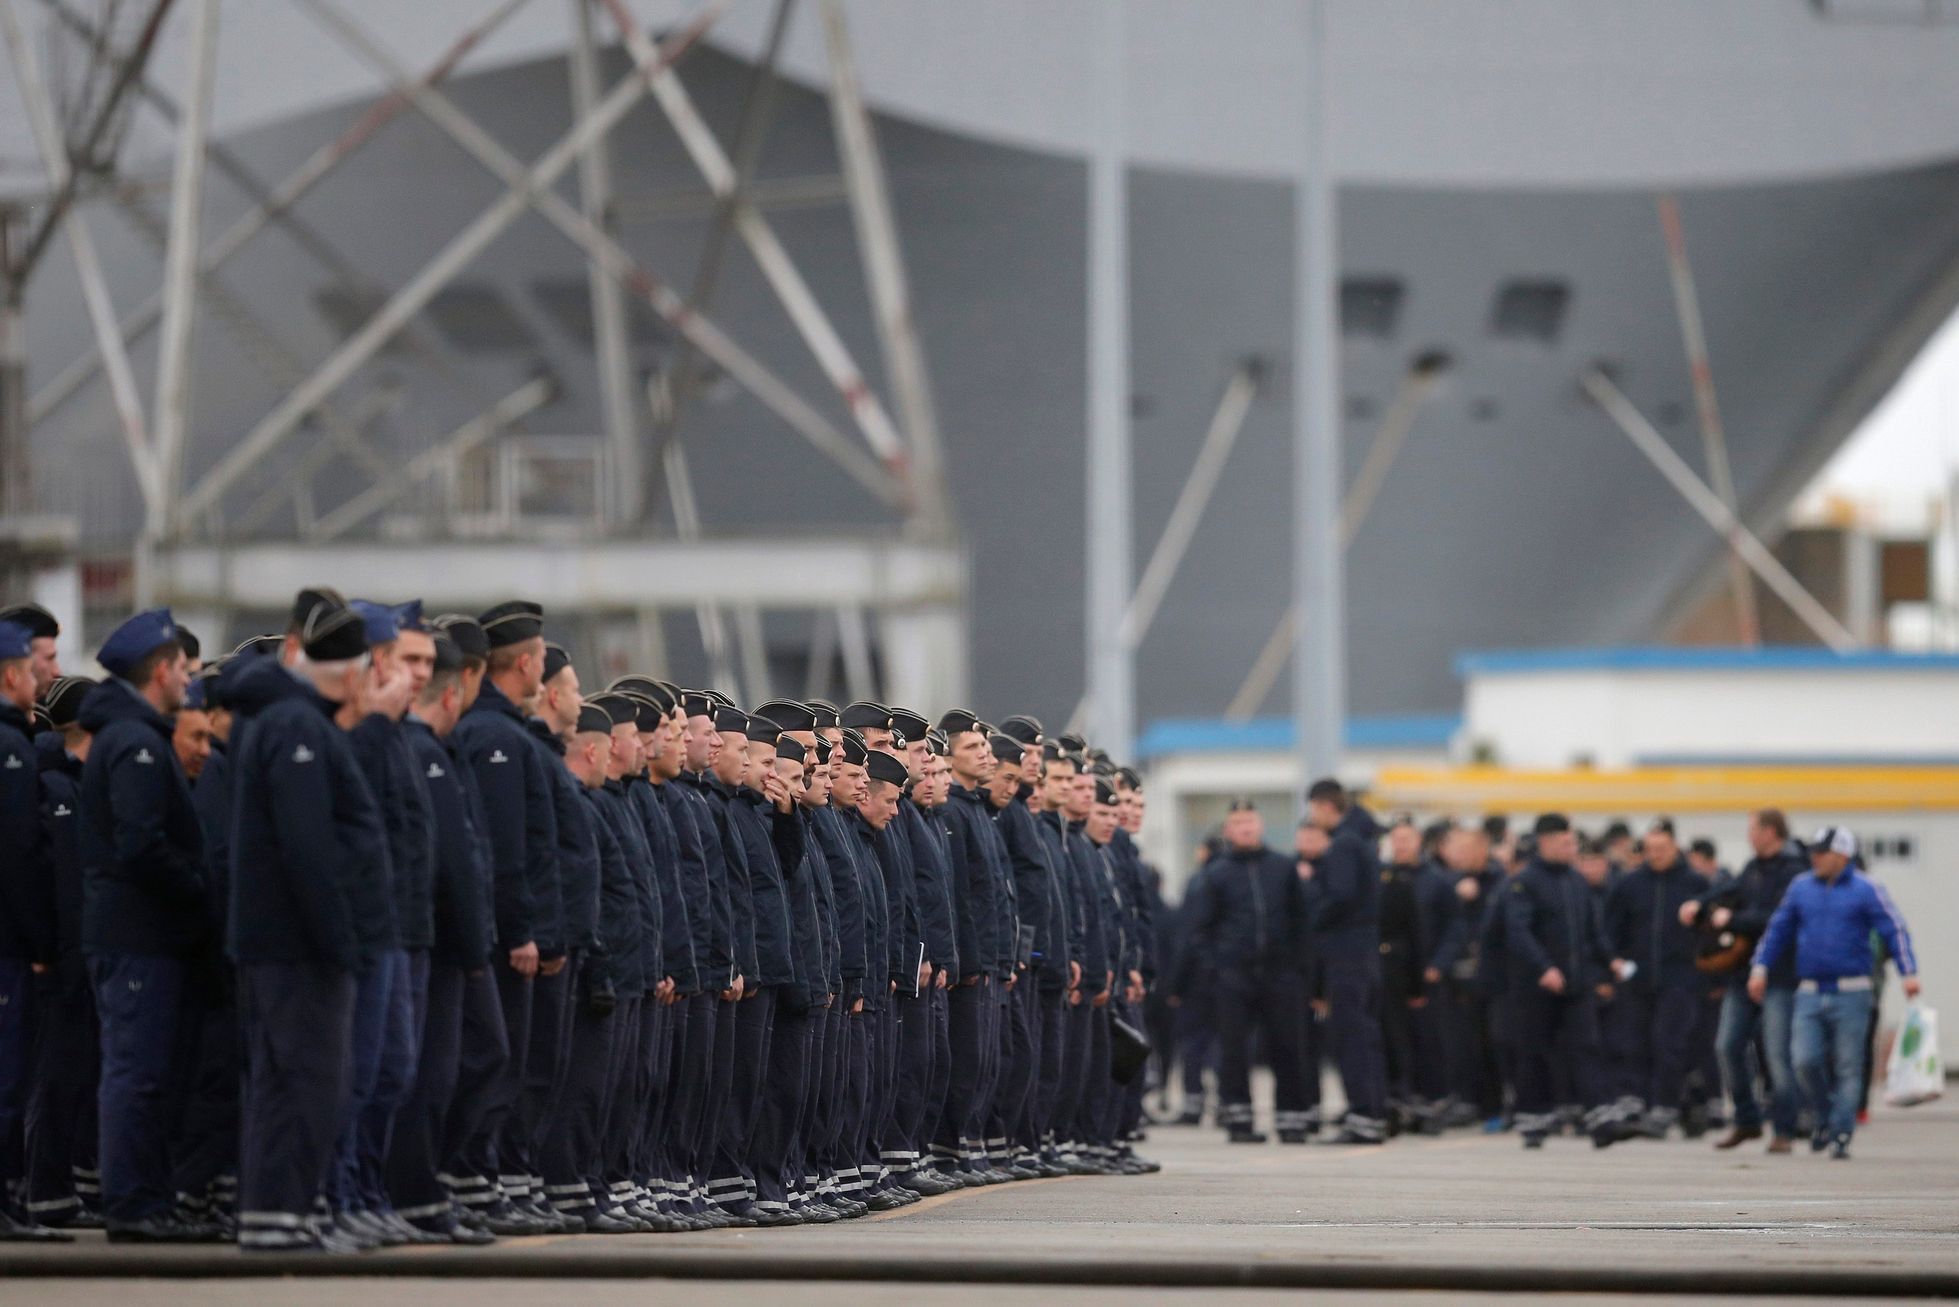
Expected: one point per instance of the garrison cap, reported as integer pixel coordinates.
(957, 721)
(863, 714)
(762, 730)
(16, 641)
(62, 704)
(648, 715)
(333, 633)
(827, 714)
(512, 622)
(593, 717)
(654, 692)
(1072, 742)
(378, 620)
(555, 660)
(1005, 747)
(619, 709)
(1097, 755)
(697, 703)
(792, 749)
(909, 724)
(408, 616)
(448, 654)
(789, 715)
(731, 721)
(1023, 728)
(310, 598)
(192, 646)
(258, 646)
(131, 642)
(1130, 776)
(467, 632)
(39, 621)
(1104, 792)
(936, 741)
(196, 695)
(887, 767)
(854, 748)
(823, 748)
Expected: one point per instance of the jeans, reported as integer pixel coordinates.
(1740, 1017)
(1828, 1044)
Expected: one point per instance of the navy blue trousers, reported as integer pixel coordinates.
(149, 1046)
(61, 1118)
(467, 1153)
(415, 1149)
(1353, 1028)
(734, 1179)
(298, 1023)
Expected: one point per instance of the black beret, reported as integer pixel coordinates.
(1023, 728)
(1005, 748)
(958, 721)
(312, 597)
(697, 703)
(761, 730)
(333, 633)
(62, 704)
(864, 713)
(467, 632)
(1071, 742)
(39, 621)
(593, 717)
(826, 714)
(448, 654)
(1105, 792)
(789, 715)
(731, 721)
(1551, 823)
(791, 749)
(555, 660)
(854, 748)
(909, 724)
(258, 646)
(512, 622)
(886, 767)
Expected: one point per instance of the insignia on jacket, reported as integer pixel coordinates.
(496, 755)
(302, 754)
(63, 810)
(14, 763)
(143, 756)
(436, 772)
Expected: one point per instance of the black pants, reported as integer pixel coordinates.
(968, 1019)
(1650, 1042)
(467, 1155)
(298, 1021)
(1271, 1006)
(690, 1082)
(772, 1158)
(1555, 1035)
(206, 1156)
(734, 1180)
(61, 1117)
(914, 1111)
(1197, 1044)
(569, 1142)
(1019, 1063)
(149, 1047)
(1352, 980)
(1054, 1057)
(414, 1154)
(545, 1068)
(498, 1108)
(1473, 1073)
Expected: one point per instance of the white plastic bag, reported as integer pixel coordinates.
(1915, 1074)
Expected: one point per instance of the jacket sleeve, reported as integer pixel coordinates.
(1891, 928)
(140, 795)
(1448, 926)
(312, 855)
(1338, 881)
(505, 801)
(27, 884)
(467, 887)
(786, 837)
(1752, 918)
(1781, 930)
(1519, 937)
(1619, 919)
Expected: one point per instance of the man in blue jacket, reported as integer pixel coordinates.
(309, 865)
(145, 915)
(1827, 919)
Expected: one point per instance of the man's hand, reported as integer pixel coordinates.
(776, 791)
(1551, 981)
(1621, 968)
(1432, 975)
(857, 1007)
(1603, 990)
(551, 968)
(523, 960)
(970, 980)
(732, 994)
(1074, 998)
(390, 698)
(1468, 890)
(1910, 984)
(1100, 1000)
(1758, 984)
(924, 976)
(1320, 1007)
(1074, 974)
(665, 989)
(1721, 917)
(1304, 868)
(1013, 978)
(39, 968)
(944, 981)
(1418, 1003)
(1690, 912)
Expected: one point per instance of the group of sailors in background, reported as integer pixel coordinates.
(386, 929)
(1461, 976)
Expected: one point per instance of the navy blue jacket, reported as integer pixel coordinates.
(1403, 942)
(931, 858)
(843, 852)
(1548, 921)
(1754, 895)
(1346, 888)
(144, 889)
(1035, 890)
(737, 875)
(1099, 944)
(1067, 904)
(1642, 925)
(705, 803)
(867, 851)
(619, 960)
(1138, 886)
(61, 826)
(903, 939)
(825, 976)
(1248, 912)
(27, 931)
(1445, 925)
(212, 795)
(309, 848)
(460, 907)
(660, 880)
(772, 844)
(514, 782)
(696, 934)
(578, 862)
(383, 760)
(978, 865)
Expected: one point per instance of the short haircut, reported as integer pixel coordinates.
(505, 656)
(438, 683)
(1328, 790)
(1774, 819)
(1495, 827)
(145, 667)
(1704, 847)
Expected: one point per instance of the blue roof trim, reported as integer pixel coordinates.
(1773, 658)
(1275, 734)
(1807, 760)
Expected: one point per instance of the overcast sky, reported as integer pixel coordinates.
(1907, 452)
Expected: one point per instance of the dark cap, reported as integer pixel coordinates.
(333, 633)
(887, 767)
(594, 717)
(512, 622)
(909, 724)
(408, 616)
(864, 714)
(646, 687)
(826, 714)
(731, 721)
(620, 709)
(854, 748)
(448, 654)
(647, 715)
(133, 641)
(258, 646)
(1005, 748)
(378, 620)
(62, 704)
(555, 660)
(791, 749)
(936, 741)
(467, 632)
(310, 598)
(187, 641)
(1105, 793)
(1550, 823)
(1023, 728)
(209, 682)
(1072, 742)
(697, 703)
(958, 720)
(762, 730)
(823, 747)
(16, 641)
(39, 621)
(194, 695)
(1130, 776)
(1242, 804)
(789, 715)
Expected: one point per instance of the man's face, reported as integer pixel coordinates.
(530, 672)
(1129, 812)
(1826, 864)
(1620, 850)
(416, 652)
(1404, 845)
(46, 666)
(731, 760)
(1594, 868)
(192, 738)
(879, 804)
(1057, 781)
(1762, 838)
(938, 782)
(1310, 841)
(594, 749)
(972, 760)
(1081, 797)
(877, 737)
(1703, 866)
(816, 786)
(1030, 761)
(847, 781)
(1244, 830)
(703, 743)
(1662, 852)
(561, 699)
(472, 683)
(761, 761)
(17, 683)
(1003, 784)
(1101, 823)
(917, 754)
(172, 678)
(1558, 846)
(627, 757)
(1322, 814)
